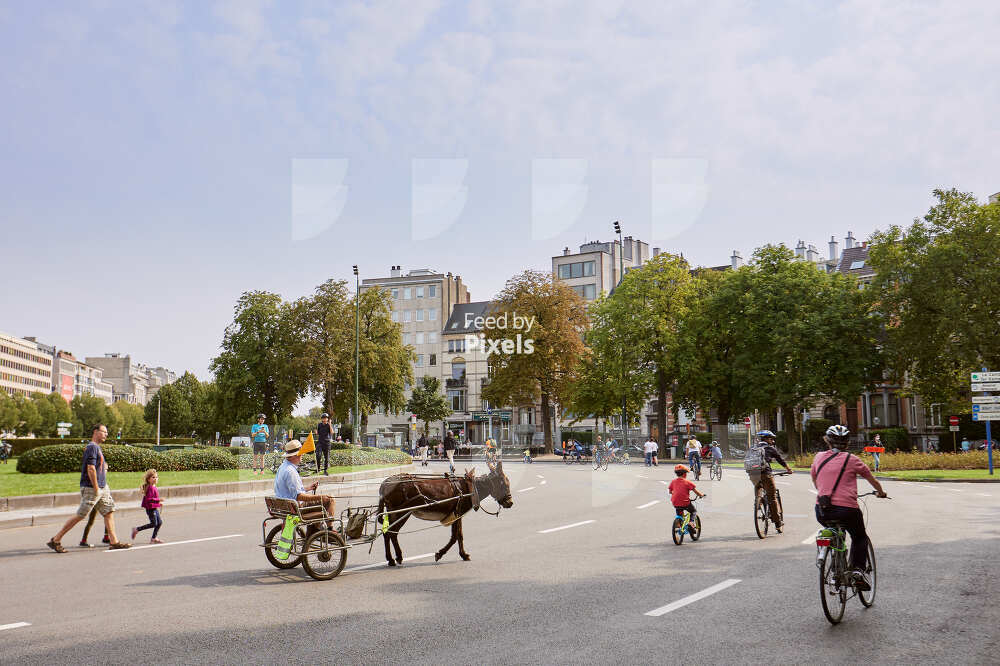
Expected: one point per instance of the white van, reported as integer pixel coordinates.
(240, 441)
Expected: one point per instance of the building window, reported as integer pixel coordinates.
(458, 370)
(406, 293)
(420, 315)
(432, 315)
(420, 292)
(576, 270)
(456, 346)
(406, 315)
(587, 292)
(432, 337)
(432, 290)
(456, 398)
(395, 316)
(407, 338)
(433, 360)
(420, 338)
(420, 361)
(395, 294)
(526, 415)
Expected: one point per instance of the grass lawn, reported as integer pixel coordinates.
(931, 474)
(12, 483)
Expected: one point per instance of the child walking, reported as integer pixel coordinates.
(151, 502)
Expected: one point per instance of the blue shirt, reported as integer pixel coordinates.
(259, 432)
(92, 455)
(287, 482)
(717, 453)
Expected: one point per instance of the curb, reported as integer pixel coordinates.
(51, 509)
(895, 478)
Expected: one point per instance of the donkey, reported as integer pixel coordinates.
(444, 499)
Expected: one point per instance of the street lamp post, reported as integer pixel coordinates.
(621, 276)
(357, 351)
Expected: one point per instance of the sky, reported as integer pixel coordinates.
(160, 158)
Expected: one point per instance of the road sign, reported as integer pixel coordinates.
(993, 415)
(985, 377)
(62, 432)
(953, 420)
(986, 386)
(63, 424)
(953, 428)
(746, 422)
(985, 399)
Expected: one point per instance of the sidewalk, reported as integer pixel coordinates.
(31, 510)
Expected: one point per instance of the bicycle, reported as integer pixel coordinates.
(836, 584)
(695, 464)
(490, 455)
(762, 508)
(685, 525)
(716, 471)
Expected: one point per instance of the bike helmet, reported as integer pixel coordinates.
(325, 416)
(765, 433)
(837, 435)
(714, 443)
(681, 468)
(261, 416)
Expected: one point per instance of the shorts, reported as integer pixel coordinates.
(259, 448)
(90, 498)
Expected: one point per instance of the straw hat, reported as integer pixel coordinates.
(292, 448)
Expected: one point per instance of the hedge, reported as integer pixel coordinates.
(22, 444)
(69, 457)
(919, 461)
(340, 458)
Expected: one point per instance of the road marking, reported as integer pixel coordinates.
(524, 490)
(984, 495)
(540, 476)
(16, 625)
(954, 490)
(543, 482)
(690, 599)
(173, 543)
(648, 504)
(384, 564)
(809, 539)
(643, 477)
(664, 483)
(565, 527)
(813, 491)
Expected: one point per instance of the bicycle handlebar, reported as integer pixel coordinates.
(873, 493)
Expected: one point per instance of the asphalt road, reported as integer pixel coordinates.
(531, 593)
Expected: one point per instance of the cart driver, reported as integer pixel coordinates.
(288, 483)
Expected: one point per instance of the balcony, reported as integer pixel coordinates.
(455, 383)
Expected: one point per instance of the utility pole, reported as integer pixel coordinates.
(157, 420)
(357, 352)
(621, 276)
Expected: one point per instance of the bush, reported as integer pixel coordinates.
(238, 450)
(893, 439)
(23, 444)
(918, 461)
(350, 457)
(199, 459)
(704, 438)
(69, 458)
(335, 445)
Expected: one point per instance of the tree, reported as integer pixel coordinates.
(558, 320)
(327, 335)
(9, 417)
(173, 406)
(385, 362)
(28, 417)
(935, 284)
(131, 417)
(88, 411)
(427, 401)
(257, 370)
(53, 409)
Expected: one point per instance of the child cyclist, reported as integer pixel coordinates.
(680, 492)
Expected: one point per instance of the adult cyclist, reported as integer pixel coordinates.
(768, 453)
(693, 451)
(836, 477)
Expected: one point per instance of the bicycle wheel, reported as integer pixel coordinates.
(717, 471)
(604, 462)
(597, 462)
(760, 513)
(677, 532)
(868, 598)
(272, 543)
(626, 460)
(325, 555)
(832, 594)
(695, 528)
(781, 509)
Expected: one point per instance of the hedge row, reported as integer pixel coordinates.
(342, 458)
(69, 457)
(902, 461)
(22, 444)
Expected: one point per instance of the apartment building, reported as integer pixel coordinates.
(422, 300)
(596, 268)
(132, 382)
(72, 378)
(25, 366)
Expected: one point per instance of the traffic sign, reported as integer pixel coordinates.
(62, 432)
(985, 399)
(63, 424)
(993, 415)
(953, 420)
(986, 386)
(985, 377)
(746, 422)
(953, 428)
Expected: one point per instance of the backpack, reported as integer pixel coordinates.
(754, 459)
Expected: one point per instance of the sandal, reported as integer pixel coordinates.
(56, 546)
(119, 546)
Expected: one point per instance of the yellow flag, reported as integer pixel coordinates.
(309, 445)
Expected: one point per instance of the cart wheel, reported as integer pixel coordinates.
(325, 555)
(297, 547)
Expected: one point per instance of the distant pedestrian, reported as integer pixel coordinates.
(324, 431)
(259, 434)
(94, 491)
(5, 449)
(449, 449)
(965, 445)
(152, 503)
(422, 448)
(877, 443)
(649, 448)
(440, 450)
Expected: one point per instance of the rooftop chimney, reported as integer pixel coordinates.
(737, 259)
(566, 251)
(396, 271)
(812, 254)
(849, 242)
(834, 249)
(656, 251)
(800, 250)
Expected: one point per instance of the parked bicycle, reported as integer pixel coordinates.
(762, 509)
(687, 525)
(836, 584)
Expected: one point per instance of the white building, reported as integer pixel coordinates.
(72, 377)
(25, 366)
(596, 268)
(132, 382)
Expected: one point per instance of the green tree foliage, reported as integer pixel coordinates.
(173, 405)
(131, 417)
(427, 402)
(28, 417)
(258, 370)
(385, 360)
(90, 410)
(9, 417)
(547, 374)
(53, 409)
(326, 330)
(936, 284)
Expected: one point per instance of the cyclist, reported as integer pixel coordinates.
(680, 493)
(259, 433)
(837, 486)
(716, 453)
(491, 450)
(693, 451)
(598, 450)
(769, 453)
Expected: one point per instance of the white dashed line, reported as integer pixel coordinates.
(16, 625)
(172, 543)
(664, 483)
(809, 539)
(813, 491)
(954, 490)
(648, 504)
(385, 564)
(984, 495)
(643, 477)
(565, 527)
(540, 476)
(543, 482)
(524, 490)
(680, 603)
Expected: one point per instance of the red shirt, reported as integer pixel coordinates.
(680, 491)
(847, 492)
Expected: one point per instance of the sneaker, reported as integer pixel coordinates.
(154, 540)
(860, 580)
(105, 539)
(135, 530)
(84, 544)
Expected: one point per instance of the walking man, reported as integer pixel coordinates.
(259, 433)
(324, 431)
(422, 448)
(449, 449)
(649, 448)
(94, 491)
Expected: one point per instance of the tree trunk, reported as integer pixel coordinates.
(661, 411)
(364, 428)
(723, 436)
(547, 422)
(791, 431)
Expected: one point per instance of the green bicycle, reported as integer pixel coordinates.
(836, 585)
(686, 525)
